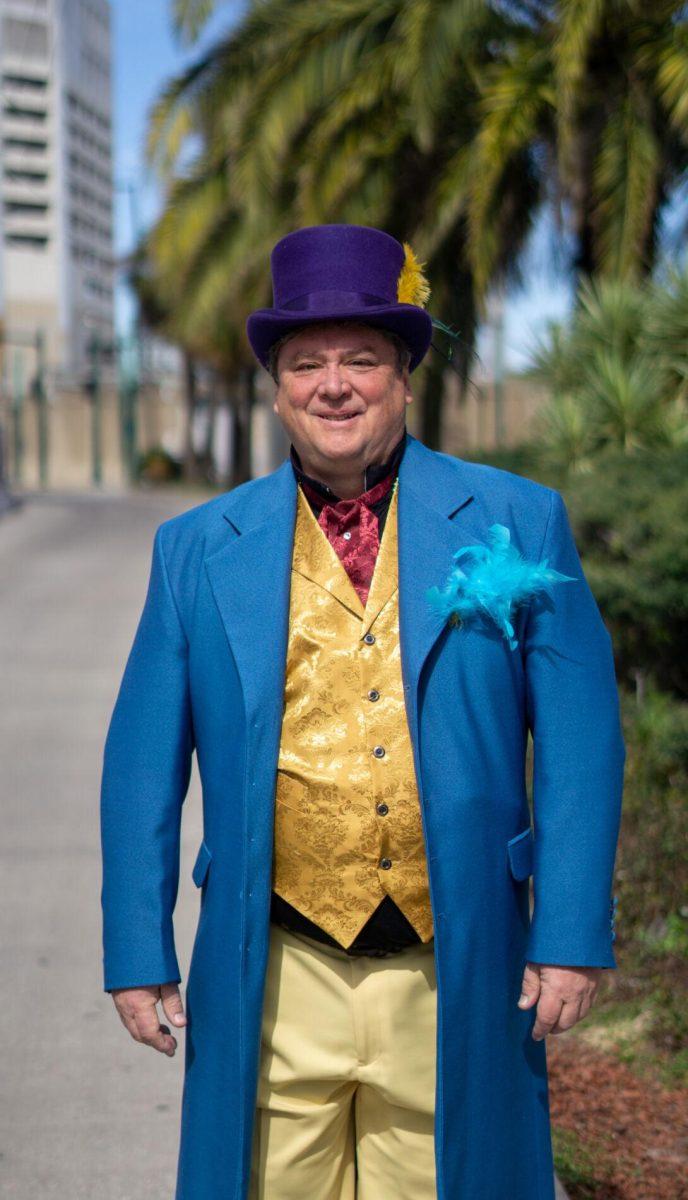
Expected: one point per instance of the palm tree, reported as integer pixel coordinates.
(616, 375)
(316, 112)
(448, 122)
(596, 89)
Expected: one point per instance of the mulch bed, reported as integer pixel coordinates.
(633, 1130)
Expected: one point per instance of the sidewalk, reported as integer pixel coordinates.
(92, 1115)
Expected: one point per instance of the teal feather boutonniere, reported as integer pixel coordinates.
(492, 581)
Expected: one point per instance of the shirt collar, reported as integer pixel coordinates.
(374, 472)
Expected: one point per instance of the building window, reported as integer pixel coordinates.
(25, 208)
(26, 145)
(25, 83)
(27, 241)
(16, 176)
(36, 116)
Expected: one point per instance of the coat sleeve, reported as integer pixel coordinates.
(578, 763)
(146, 770)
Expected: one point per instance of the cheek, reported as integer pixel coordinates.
(380, 397)
(293, 400)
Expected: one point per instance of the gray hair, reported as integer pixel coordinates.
(402, 351)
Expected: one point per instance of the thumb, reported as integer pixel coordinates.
(530, 986)
(172, 1004)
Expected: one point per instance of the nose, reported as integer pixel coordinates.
(332, 383)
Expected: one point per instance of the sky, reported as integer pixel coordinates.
(145, 55)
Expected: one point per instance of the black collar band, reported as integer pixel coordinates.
(373, 473)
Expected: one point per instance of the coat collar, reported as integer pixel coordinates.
(374, 473)
(436, 480)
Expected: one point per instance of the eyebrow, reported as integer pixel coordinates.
(316, 353)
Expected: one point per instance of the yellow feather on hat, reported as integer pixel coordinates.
(412, 286)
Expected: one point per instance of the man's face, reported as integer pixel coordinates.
(341, 396)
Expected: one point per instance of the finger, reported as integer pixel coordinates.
(546, 1016)
(568, 1017)
(152, 1033)
(172, 1004)
(130, 1025)
(126, 1016)
(579, 1009)
(530, 987)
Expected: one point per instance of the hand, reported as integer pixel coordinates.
(563, 994)
(137, 1011)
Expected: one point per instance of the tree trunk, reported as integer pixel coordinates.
(190, 467)
(243, 409)
(431, 404)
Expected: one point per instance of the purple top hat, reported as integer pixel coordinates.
(338, 272)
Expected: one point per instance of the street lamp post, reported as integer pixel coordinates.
(40, 397)
(93, 392)
(37, 341)
(128, 391)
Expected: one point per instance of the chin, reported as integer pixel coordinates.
(351, 448)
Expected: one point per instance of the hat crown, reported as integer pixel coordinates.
(330, 273)
(353, 259)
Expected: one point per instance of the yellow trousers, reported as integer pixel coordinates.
(346, 1093)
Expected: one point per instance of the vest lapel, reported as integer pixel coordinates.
(383, 585)
(316, 559)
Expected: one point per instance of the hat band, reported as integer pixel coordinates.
(326, 301)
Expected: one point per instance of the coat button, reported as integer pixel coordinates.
(347, 535)
(369, 638)
(382, 808)
(373, 694)
(379, 751)
(385, 864)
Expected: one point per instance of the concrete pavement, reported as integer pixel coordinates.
(85, 1112)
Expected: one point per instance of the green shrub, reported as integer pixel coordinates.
(158, 466)
(651, 863)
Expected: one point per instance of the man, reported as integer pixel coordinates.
(368, 997)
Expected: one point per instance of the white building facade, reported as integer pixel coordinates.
(56, 189)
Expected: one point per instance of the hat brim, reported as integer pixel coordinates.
(409, 322)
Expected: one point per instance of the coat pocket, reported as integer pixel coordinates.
(200, 868)
(520, 850)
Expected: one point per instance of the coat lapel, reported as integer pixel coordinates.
(250, 579)
(431, 492)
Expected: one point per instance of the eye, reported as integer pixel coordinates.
(362, 362)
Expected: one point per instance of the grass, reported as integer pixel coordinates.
(581, 1171)
(640, 1016)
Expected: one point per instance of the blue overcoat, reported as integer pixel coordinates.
(206, 673)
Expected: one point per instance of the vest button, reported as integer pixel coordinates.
(385, 864)
(379, 752)
(373, 694)
(369, 638)
(382, 808)
(347, 534)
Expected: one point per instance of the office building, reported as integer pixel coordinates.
(56, 192)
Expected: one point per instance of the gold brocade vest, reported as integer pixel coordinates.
(348, 826)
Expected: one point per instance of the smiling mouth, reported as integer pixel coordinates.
(337, 417)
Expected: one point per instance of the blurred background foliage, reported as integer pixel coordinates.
(455, 124)
(450, 123)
